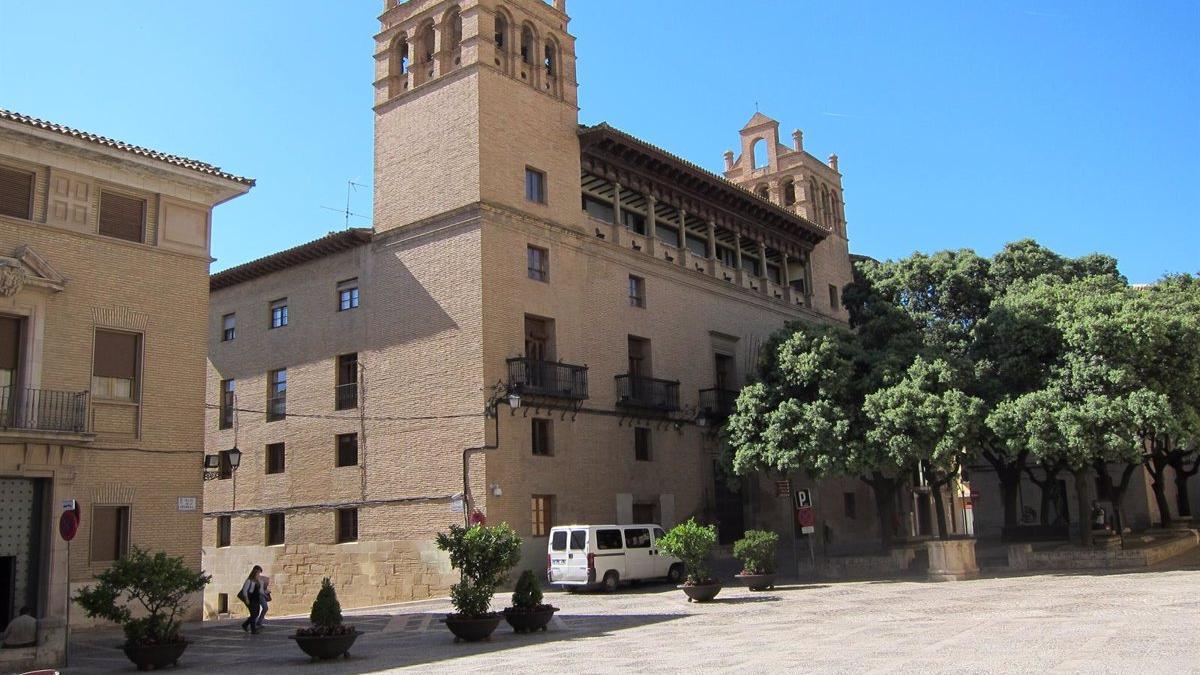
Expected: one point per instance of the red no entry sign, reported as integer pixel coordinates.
(68, 524)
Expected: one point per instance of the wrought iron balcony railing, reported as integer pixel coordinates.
(43, 410)
(533, 377)
(347, 396)
(635, 391)
(717, 404)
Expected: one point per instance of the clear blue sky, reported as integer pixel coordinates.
(957, 123)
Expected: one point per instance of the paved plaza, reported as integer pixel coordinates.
(1144, 621)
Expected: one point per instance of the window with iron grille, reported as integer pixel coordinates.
(16, 193)
(541, 437)
(347, 525)
(641, 444)
(228, 327)
(279, 313)
(224, 531)
(346, 389)
(225, 413)
(276, 529)
(347, 295)
(275, 459)
(535, 185)
(122, 217)
(277, 395)
(637, 291)
(538, 262)
(542, 515)
(347, 450)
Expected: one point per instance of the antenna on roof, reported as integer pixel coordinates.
(350, 188)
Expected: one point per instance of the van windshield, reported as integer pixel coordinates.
(558, 541)
(578, 540)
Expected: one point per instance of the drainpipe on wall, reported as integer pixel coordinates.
(489, 411)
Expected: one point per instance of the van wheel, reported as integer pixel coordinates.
(675, 574)
(610, 583)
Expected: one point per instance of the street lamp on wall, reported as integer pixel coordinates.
(212, 463)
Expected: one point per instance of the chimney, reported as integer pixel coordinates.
(798, 140)
(728, 160)
(833, 162)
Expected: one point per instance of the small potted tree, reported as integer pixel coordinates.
(483, 556)
(756, 551)
(327, 637)
(527, 613)
(691, 542)
(159, 584)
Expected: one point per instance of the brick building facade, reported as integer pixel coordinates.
(104, 254)
(619, 292)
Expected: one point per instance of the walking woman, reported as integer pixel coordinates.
(251, 594)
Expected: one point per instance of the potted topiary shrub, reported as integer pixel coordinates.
(160, 584)
(327, 637)
(483, 556)
(691, 542)
(756, 550)
(527, 613)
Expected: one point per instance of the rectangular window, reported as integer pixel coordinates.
(542, 515)
(347, 450)
(225, 413)
(727, 256)
(115, 365)
(228, 327)
(633, 221)
(347, 295)
(637, 291)
(598, 209)
(535, 185)
(641, 444)
(224, 465)
(774, 274)
(608, 540)
(110, 533)
(558, 541)
(848, 501)
(643, 512)
(833, 298)
(279, 313)
(16, 193)
(277, 395)
(541, 437)
(224, 531)
(122, 217)
(538, 262)
(697, 246)
(637, 537)
(222, 603)
(276, 529)
(346, 389)
(667, 235)
(276, 458)
(347, 525)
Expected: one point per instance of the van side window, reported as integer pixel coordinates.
(639, 538)
(606, 540)
(578, 540)
(658, 533)
(558, 541)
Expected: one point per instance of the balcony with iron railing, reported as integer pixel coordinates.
(551, 379)
(716, 404)
(648, 393)
(346, 396)
(42, 410)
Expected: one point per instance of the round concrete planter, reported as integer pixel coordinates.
(325, 647)
(529, 620)
(757, 582)
(153, 657)
(952, 560)
(701, 593)
(472, 629)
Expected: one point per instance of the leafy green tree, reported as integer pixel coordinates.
(691, 542)
(483, 555)
(158, 583)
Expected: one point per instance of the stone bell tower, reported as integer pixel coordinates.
(792, 178)
(469, 95)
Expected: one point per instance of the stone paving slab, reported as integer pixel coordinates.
(1138, 622)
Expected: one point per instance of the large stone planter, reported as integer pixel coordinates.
(758, 582)
(472, 629)
(153, 657)
(325, 647)
(701, 593)
(529, 620)
(952, 560)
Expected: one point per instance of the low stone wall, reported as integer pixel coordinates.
(906, 560)
(1026, 557)
(365, 573)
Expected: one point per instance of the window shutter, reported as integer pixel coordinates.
(16, 193)
(122, 217)
(116, 355)
(10, 342)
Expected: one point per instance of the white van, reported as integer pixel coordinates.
(605, 555)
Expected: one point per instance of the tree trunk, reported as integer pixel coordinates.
(1182, 474)
(1116, 490)
(1082, 497)
(936, 491)
(884, 490)
(1009, 475)
(1048, 487)
(1156, 465)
